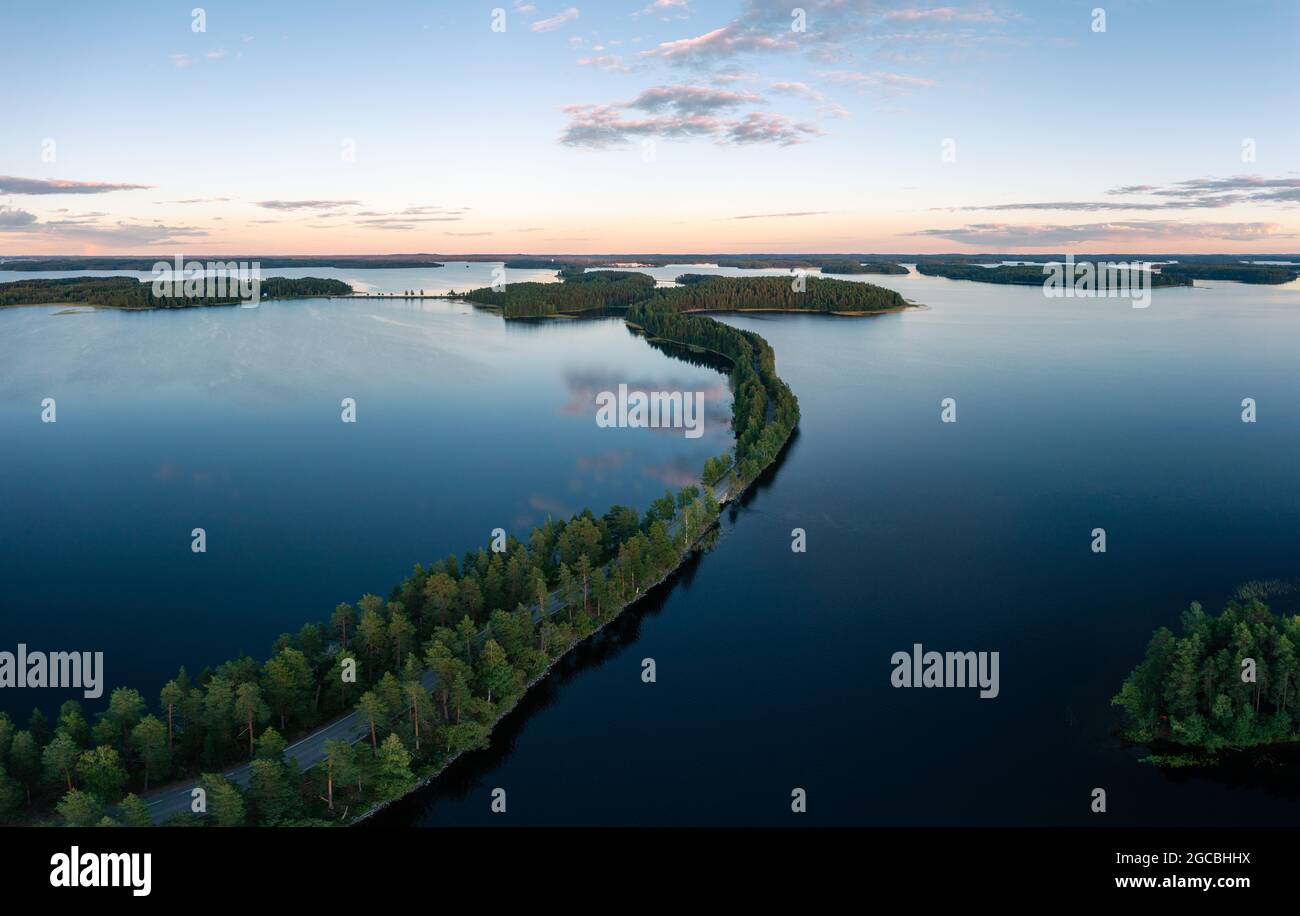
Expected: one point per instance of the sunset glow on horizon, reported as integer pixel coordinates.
(649, 127)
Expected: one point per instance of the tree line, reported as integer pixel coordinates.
(577, 293)
(819, 294)
(130, 293)
(1031, 274)
(1229, 681)
(435, 664)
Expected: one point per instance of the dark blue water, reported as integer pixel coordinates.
(229, 419)
(773, 667)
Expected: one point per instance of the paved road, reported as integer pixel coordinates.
(309, 751)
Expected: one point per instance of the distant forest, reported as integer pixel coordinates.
(621, 289)
(130, 293)
(1020, 275)
(1179, 274)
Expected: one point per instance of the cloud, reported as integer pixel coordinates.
(790, 87)
(1193, 194)
(686, 99)
(945, 14)
(1035, 236)
(554, 22)
(10, 184)
(666, 9)
(894, 83)
(87, 228)
(606, 62)
(780, 215)
(765, 128)
(603, 126)
(182, 61)
(305, 204)
(678, 112)
(720, 43)
(11, 219)
(218, 54)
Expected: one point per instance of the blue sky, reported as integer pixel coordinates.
(677, 125)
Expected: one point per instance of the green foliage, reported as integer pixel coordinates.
(1026, 274)
(579, 293)
(80, 809)
(1192, 689)
(100, 772)
(730, 294)
(130, 293)
(225, 802)
(134, 812)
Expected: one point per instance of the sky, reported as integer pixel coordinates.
(651, 126)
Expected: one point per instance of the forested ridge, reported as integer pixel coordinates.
(1241, 273)
(130, 293)
(1027, 274)
(484, 625)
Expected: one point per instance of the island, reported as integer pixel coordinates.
(130, 293)
(1230, 681)
(612, 289)
(1031, 274)
(1236, 271)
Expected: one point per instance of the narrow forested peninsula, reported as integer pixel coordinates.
(435, 664)
(130, 293)
(1229, 681)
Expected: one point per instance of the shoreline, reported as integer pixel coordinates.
(428, 779)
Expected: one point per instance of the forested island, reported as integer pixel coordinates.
(579, 292)
(130, 293)
(436, 664)
(1241, 273)
(861, 267)
(584, 292)
(1030, 274)
(1229, 681)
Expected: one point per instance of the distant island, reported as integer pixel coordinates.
(130, 293)
(1023, 274)
(861, 267)
(584, 292)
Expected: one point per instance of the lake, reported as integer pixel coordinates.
(773, 667)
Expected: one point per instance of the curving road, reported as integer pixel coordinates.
(310, 750)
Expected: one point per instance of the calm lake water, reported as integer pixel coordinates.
(773, 667)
